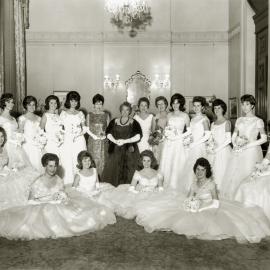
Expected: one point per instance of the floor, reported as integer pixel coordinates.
(126, 245)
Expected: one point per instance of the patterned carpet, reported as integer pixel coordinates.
(125, 245)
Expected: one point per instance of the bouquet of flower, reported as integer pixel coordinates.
(156, 137)
(192, 204)
(59, 135)
(187, 140)
(60, 196)
(210, 145)
(260, 169)
(40, 139)
(240, 143)
(170, 132)
(76, 131)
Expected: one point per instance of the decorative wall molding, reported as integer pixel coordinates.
(234, 31)
(115, 37)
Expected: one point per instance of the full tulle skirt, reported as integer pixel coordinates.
(15, 187)
(69, 152)
(34, 154)
(126, 203)
(239, 168)
(219, 163)
(230, 220)
(77, 216)
(17, 158)
(255, 192)
(187, 175)
(172, 163)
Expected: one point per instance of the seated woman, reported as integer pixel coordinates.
(86, 180)
(14, 183)
(145, 182)
(51, 213)
(203, 216)
(255, 190)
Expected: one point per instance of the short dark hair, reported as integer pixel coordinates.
(150, 154)
(4, 98)
(73, 95)
(98, 98)
(48, 99)
(125, 104)
(27, 100)
(81, 156)
(161, 98)
(221, 103)
(2, 130)
(249, 98)
(49, 157)
(203, 162)
(180, 99)
(144, 99)
(200, 99)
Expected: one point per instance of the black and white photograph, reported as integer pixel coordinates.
(134, 135)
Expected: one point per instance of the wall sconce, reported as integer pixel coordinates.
(111, 83)
(160, 83)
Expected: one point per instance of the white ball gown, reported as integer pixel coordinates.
(54, 133)
(124, 201)
(32, 148)
(242, 163)
(209, 221)
(53, 214)
(74, 143)
(219, 160)
(173, 155)
(255, 190)
(199, 150)
(146, 131)
(90, 187)
(17, 158)
(14, 185)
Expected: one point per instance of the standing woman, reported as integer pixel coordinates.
(221, 133)
(173, 156)
(199, 126)
(73, 121)
(29, 125)
(16, 155)
(145, 120)
(158, 125)
(97, 121)
(123, 134)
(50, 122)
(247, 149)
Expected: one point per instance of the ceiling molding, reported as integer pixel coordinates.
(115, 37)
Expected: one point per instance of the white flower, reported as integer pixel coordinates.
(210, 145)
(40, 139)
(187, 140)
(170, 132)
(240, 143)
(192, 204)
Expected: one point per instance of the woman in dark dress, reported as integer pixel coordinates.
(97, 121)
(123, 134)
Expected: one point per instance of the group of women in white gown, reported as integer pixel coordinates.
(167, 171)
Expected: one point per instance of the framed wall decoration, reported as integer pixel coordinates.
(233, 108)
(61, 94)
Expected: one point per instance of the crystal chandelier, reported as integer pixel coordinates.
(132, 14)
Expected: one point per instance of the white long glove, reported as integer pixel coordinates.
(207, 134)
(133, 139)
(262, 140)
(89, 132)
(214, 204)
(111, 138)
(179, 135)
(228, 139)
